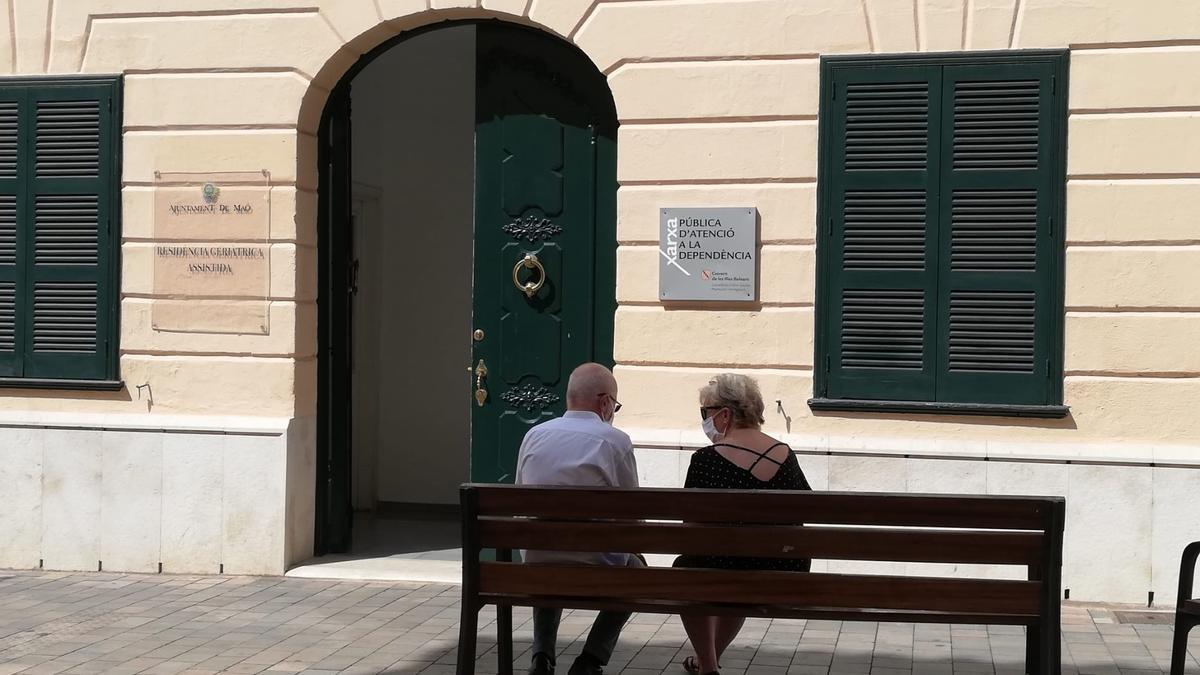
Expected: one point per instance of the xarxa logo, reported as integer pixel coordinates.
(707, 274)
(672, 252)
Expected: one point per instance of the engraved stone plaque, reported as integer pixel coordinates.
(212, 252)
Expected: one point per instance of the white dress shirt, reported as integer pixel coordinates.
(577, 449)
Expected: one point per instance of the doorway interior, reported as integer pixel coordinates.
(412, 163)
(451, 159)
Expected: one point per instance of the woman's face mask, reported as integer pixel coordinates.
(710, 427)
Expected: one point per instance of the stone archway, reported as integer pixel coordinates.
(563, 21)
(558, 87)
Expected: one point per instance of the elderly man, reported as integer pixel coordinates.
(579, 448)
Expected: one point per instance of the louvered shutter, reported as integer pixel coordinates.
(10, 240)
(997, 253)
(881, 215)
(67, 216)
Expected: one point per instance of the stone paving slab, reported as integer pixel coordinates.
(55, 622)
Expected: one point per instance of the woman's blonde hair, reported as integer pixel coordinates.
(740, 394)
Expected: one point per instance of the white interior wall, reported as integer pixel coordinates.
(413, 113)
(368, 221)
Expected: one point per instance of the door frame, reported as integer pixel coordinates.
(334, 513)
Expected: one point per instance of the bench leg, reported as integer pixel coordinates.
(1050, 647)
(1032, 649)
(1183, 625)
(468, 634)
(504, 643)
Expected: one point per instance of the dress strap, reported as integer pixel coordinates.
(761, 455)
(764, 454)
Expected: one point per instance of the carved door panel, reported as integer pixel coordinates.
(544, 187)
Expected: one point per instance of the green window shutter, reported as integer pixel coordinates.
(995, 301)
(10, 240)
(881, 209)
(69, 139)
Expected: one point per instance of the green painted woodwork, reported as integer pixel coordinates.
(59, 229)
(334, 513)
(940, 267)
(996, 249)
(884, 190)
(545, 185)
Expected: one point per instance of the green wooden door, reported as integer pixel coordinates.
(545, 183)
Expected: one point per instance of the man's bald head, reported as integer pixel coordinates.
(590, 388)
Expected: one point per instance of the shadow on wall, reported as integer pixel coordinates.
(1067, 422)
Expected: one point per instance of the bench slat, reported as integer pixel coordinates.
(935, 546)
(748, 589)
(760, 611)
(766, 506)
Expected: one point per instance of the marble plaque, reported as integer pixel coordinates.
(212, 252)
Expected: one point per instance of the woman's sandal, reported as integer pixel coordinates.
(692, 666)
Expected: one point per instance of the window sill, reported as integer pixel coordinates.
(77, 385)
(933, 408)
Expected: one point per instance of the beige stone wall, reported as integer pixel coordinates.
(718, 102)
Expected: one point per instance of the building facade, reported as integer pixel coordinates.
(262, 263)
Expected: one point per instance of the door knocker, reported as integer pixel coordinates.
(529, 288)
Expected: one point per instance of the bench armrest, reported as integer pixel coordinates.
(1187, 571)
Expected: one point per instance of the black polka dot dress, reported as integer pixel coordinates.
(710, 470)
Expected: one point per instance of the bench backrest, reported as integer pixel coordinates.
(1020, 531)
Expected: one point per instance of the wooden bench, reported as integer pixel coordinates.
(1187, 610)
(1019, 531)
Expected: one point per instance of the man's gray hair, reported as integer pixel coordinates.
(587, 383)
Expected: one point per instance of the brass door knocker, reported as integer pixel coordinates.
(529, 288)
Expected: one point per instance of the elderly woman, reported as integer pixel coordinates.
(741, 457)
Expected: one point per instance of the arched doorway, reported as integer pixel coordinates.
(467, 252)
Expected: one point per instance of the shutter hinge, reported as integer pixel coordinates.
(826, 364)
(1050, 224)
(1053, 83)
(1048, 369)
(829, 227)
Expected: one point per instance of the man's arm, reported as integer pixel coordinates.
(521, 457)
(627, 470)
(627, 477)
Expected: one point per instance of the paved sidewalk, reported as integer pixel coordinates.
(111, 623)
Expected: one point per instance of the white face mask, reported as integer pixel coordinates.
(710, 430)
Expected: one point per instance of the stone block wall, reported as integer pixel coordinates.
(718, 103)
